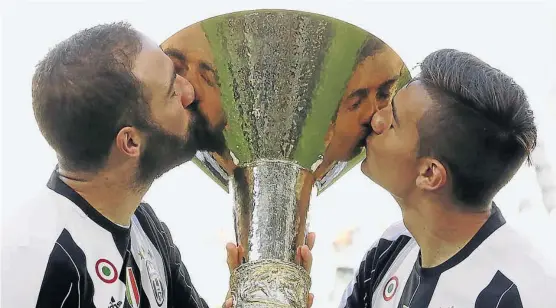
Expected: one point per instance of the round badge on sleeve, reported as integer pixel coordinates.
(106, 271)
(390, 288)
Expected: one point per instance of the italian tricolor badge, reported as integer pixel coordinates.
(132, 291)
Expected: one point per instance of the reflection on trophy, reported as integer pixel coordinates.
(292, 94)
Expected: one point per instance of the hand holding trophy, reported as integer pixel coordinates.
(303, 258)
(289, 96)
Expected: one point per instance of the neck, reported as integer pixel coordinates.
(107, 192)
(441, 229)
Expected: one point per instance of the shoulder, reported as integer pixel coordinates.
(527, 270)
(395, 242)
(34, 228)
(40, 230)
(36, 215)
(33, 246)
(392, 239)
(518, 253)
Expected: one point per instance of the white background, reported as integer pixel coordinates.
(517, 38)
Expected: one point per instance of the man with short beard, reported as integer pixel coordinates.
(109, 102)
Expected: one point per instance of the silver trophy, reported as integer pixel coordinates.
(291, 94)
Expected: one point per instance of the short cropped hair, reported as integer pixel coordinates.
(480, 125)
(370, 47)
(84, 92)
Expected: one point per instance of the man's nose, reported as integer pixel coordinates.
(366, 110)
(187, 91)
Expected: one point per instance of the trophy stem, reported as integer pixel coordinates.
(271, 201)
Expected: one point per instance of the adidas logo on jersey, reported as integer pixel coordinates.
(114, 304)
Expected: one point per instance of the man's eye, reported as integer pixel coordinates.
(355, 104)
(209, 77)
(381, 95)
(174, 93)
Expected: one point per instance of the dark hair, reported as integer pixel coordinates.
(370, 47)
(480, 126)
(84, 92)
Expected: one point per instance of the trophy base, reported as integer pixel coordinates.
(270, 284)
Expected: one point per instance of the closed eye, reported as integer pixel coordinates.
(208, 74)
(358, 95)
(382, 94)
(355, 105)
(384, 90)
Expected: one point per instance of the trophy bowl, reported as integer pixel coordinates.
(289, 95)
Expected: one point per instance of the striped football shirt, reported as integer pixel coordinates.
(61, 252)
(498, 268)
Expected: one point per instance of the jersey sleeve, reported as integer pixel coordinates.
(61, 283)
(39, 272)
(181, 291)
(373, 267)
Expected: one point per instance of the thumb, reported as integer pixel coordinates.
(306, 257)
(228, 303)
(233, 256)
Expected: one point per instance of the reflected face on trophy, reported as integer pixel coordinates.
(391, 156)
(369, 89)
(190, 52)
(280, 78)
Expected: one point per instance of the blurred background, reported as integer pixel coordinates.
(517, 37)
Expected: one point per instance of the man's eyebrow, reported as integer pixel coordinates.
(363, 92)
(206, 66)
(388, 83)
(178, 55)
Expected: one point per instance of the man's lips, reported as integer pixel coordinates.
(367, 132)
(362, 142)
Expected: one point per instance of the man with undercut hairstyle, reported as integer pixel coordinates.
(449, 141)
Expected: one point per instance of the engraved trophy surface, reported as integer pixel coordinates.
(291, 95)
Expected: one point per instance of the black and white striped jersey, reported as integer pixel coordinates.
(61, 252)
(498, 268)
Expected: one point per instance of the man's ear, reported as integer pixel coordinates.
(432, 174)
(129, 141)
